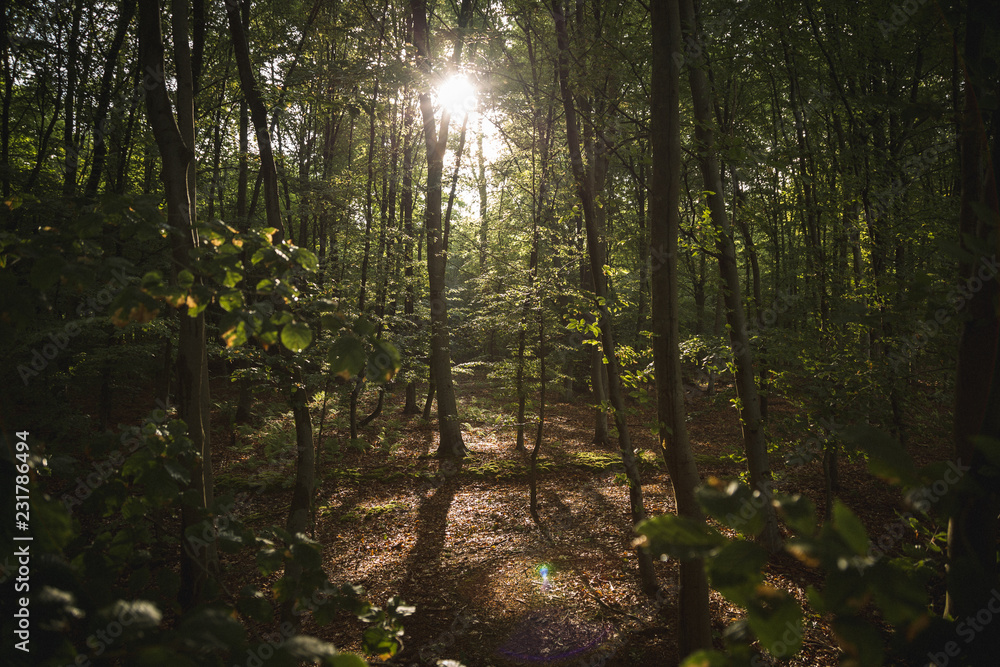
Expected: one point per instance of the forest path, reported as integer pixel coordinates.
(456, 540)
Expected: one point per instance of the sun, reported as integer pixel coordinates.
(457, 94)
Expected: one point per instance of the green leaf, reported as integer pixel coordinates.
(231, 300)
(378, 641)
(680, 537)
(185, 278)
(886, 457)
(331, 321)
(901, 596)
(705, 658)
(798, 512)
(304, 647)
(859, 640)
(232, 278)
(143, 614)
(850, 528)
(269, 560)
(325, 305)
(151, 279)
(177, 472)
(776, 619)
(305, 258)
(347, 357)
(296, 336)
(737, 569)
(213, 629)
(733, 505)
(383, 362)
(362, 327)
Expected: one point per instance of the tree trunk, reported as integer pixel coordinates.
(127, 11)
(746, 387)
(406, 210)
(300, 510)
(694, 630)
(8, 95)
(972, 529)
(449, 427)
(178, 159)
(258, 115)
(71, 159)
(586, 194)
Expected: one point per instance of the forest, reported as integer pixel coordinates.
(500, 332)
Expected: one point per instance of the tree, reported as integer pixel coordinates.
(436, 140)
(973, 528)
(174, 138)
(749, 399)
(585, 192)
(694, 627)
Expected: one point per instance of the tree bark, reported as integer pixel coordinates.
(972, 529)
(178, 158)
(586, 194)
(258, 115)
(71, 159)
(126, 12)
(451, 444)
(746, 387)
(694, 630)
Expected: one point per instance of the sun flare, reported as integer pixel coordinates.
(457, 94)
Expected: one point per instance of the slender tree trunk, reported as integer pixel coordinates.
(8, 95)
(300, 510)
(406, 210)
(178, 158)
(694, 630)
(126, 12)
(369, 200)
(449, 427)
(258, 115)
(586, 194)
(746, 386)
(71, 159)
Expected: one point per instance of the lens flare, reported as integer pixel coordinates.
(457, 94)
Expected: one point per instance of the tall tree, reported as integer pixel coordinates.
(754, 441)
(177, 154)
(585, 192)
(973, 529)
(436, 140)
(693, 619)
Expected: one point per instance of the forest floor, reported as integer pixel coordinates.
(457, 540)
